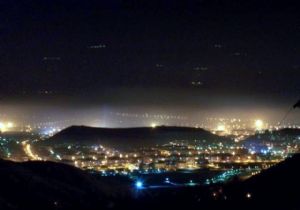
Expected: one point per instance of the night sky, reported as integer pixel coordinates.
(192, 57)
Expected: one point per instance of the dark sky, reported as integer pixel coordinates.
(222, 56)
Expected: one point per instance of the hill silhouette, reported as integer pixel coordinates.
(274, 188)
(49, 185)
(129, 137)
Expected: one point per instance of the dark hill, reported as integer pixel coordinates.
(128, 137)
(281, 180)
(274, 188)
(48, 185)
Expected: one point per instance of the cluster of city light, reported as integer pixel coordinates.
(237, 128)
(221, 127)
(6, 126)
(157, 159)
(227, 175)
(259, 124)
(187, 155)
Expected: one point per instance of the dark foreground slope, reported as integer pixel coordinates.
(125, 137)
(47, 185)
(276, 186)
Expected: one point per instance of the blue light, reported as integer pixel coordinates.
(139, 184)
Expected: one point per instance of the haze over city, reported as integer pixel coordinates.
(195, 58)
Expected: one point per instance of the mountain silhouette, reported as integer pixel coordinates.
(133, 137)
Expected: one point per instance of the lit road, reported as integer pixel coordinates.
(28, 151)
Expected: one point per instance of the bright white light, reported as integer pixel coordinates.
(221, 128)
(10, 125)
(259, 124)
(153, 125)
(58, 157)
(2, 126)
(248, 195)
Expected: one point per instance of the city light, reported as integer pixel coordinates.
(157, 159)
(153, 125)
(221, 128)
(248, 195)
(5, 126)
(150, 104)
(2, 126)
(10, 125)
(28, 151)
(259, 124)
(139, 184)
